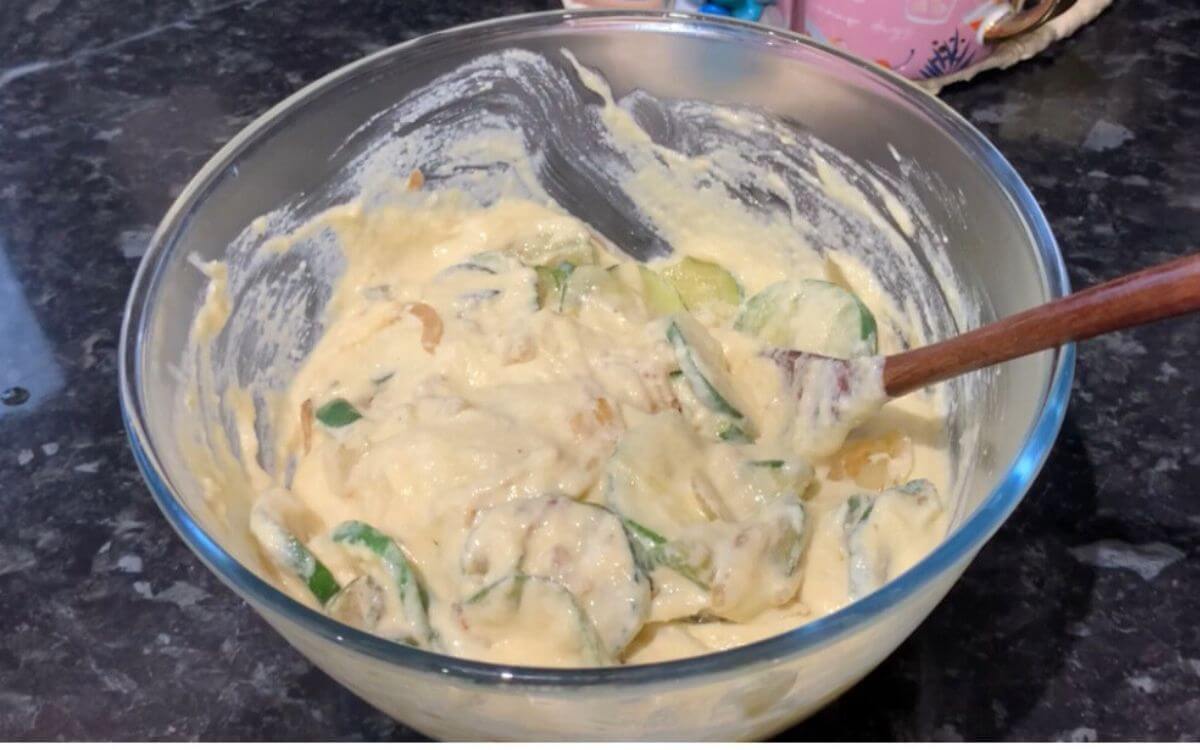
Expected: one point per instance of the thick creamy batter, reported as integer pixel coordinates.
(514, 443)
(575, 465)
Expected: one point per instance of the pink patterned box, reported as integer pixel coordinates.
(916, 38)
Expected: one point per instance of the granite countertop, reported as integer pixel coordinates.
(1077, 621)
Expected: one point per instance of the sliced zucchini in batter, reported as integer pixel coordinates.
(649, 476)
(757, 562)
(580, 546)
(811, 316)
(858, 510)
(552, 285)
(771, 463)
(597, 287)
(488, 263)
(704, 368)
(653, 551)
(660, 295)
(740, 486)
(552, 244)
(713, 425)
(704, 286)
(866, 571)
(413, 600)
(659, 480)
(742, 568)
(771, 479)
(495, 277)
(288, 553)
(337, 412)
(535, 617)
(627, 274)
(359, 604)
(786, 548)
(650, 484)
(657, 293)
(879, 528)
(732, 433)
(703, 365)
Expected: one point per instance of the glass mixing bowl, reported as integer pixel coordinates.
(999, 248)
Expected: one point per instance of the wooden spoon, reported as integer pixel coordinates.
(1156, 293)
(836, 395)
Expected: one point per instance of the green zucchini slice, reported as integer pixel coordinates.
(811, 316)
(703, 286)
(288, 553)
(535, 616)
(413, 600)
(580, 546)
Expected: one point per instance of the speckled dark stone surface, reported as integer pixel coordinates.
(1077, 621)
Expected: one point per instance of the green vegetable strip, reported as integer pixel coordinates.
(773, 463)
(553, 281)
(776, 314)
(288, 552)
(321, 582)
(482, 593)
(790, 547)
(394, 560)
(701, 386)
(652, 550)
(647, 545)
(868, 330)
(587, 629)
(337, 413)
(591, 637)
(700, 282)
(858, 509)
(733, 434)
(562, 272)
(919, 487)
(860, 505)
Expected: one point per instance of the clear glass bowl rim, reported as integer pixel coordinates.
(976, 530)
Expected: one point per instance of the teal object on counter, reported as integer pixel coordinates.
(746, 10)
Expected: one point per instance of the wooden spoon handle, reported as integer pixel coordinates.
(1158, 292)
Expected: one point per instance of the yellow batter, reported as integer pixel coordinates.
(514, 443)
(523, 414)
